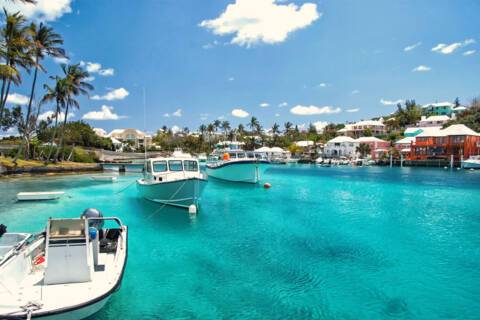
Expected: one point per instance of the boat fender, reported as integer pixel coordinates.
(267, 185)
(192, 209)
(226, 156)
(39, 260)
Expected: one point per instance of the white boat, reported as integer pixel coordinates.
(236, 165)
(202, 157)
(172, 181)
(178, 153)
(67, 272)
(472, 163)
(46, 195)
(105, 178)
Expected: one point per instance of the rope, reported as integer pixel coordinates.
(129, 185)
(165, 203)
(30, 307)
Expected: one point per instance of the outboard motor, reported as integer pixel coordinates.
(3, 229)
(93, 213)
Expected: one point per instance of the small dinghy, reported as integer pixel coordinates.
(67, 272)
(104, 178)
(31, 196)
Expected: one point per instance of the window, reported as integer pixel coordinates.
(250, 155)
(422, 139)
(458, 139)
(240, 155)
(190, 165)
(175, 165)
(160, 166)
(233, 155)
(148, 167)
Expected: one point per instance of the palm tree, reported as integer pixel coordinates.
(202, 129)
(363, 149)
(15, 52)
(288, 126)
(56, 93)
(44, 42)
(216, 124)
(75, 85)
(225, 125)
(275, 129)
(241, 129)
(254, 125)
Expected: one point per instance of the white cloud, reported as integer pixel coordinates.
(231, 79)
(203, 116)
(95, 67)
(105, 113)
(61, 60)
(264, 105)
(221, 118)
(283, 104)
(17, 99)
(355, 91)
(322, 85)
(106, 72)
(353, 110)
(50, 114)
(239, 113)
(166, 115)
(175, 129)
(261, 21)
(450, 48)
(421, 68)
(313, 110)
(42, 10)
(210, 45)
(177, 113)
(413, 46)
(277, 115)
(320, 125)
(390, 102)
(113, 94)
(469, 52)
(90, 78)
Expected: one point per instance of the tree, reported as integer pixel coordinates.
(288, 126)
(225, 125)
(15, 52)
(241, 129)
(44, 42)
(457, 102)
(363, 149)
(216, 124)
(75, 85)
(254, 125)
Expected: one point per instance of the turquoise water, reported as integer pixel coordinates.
(322, 243)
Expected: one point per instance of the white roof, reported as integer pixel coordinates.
(432, 132)
(304, 143)
(362, 123)
(341, 139)
(436, 118)
(439, 104)
(277, 149)
(369, 139)
(115, 141)
(263, 149)
(405, 140)
(100, 132)
(460, 108)
(459, 130)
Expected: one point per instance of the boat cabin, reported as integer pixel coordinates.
(232, 155)
(170, 169)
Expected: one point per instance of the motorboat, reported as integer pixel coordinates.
(42, 195)
(472, 163)
(104, 178)
(202, 157)
(319, 160)
(69, 271)
(172, 181)
(236, 165)
(178, 153)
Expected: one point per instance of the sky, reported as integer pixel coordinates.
(300, 61)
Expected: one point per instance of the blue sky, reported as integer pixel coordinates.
(310, 61)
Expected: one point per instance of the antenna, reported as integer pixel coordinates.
(145, 123)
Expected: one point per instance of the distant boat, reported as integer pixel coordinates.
(202, 157)
(178, 153)
(236, 165)
(472, 163)
(46, 195)
(68, 272)
(172, 181)
(104, 178)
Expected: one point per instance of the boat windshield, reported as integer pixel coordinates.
(160, 166)
(175, 165)
(190, 165)
(8, 241)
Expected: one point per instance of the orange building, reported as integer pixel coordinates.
(457, 140)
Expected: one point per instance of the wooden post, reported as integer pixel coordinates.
(391, 159)
(401, 160)
(451, 161)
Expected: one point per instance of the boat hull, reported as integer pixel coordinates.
(238, 171)
(35, 196)
(179, 193)
(471, 164)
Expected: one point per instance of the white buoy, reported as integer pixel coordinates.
(445, 167)
(192, 209)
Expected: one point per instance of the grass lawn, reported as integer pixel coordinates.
(8, 163)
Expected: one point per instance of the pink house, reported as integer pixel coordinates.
(377, 146)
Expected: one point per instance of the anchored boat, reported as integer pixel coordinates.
(234, 164)
(175, 181)
(46, 195)
(67, 272)
(472, 163)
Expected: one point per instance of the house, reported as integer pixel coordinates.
(457, 140)
(433, 121)
(378, 147)
(438, 108)
(403, 145)
(356, 130)
(133, 137)
(341, 146)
